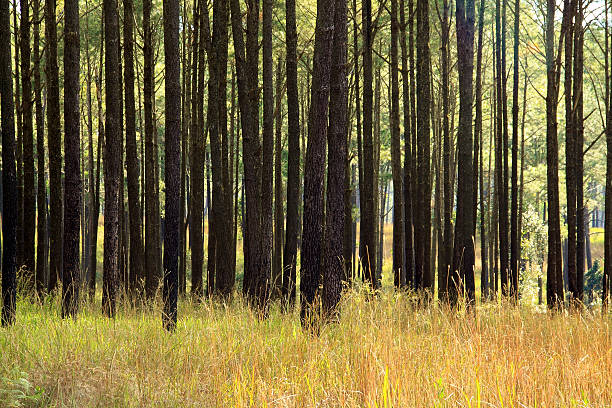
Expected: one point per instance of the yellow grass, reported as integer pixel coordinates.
(382, 353)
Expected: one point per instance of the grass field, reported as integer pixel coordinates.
(382, 353)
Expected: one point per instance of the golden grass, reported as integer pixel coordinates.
(381, 353)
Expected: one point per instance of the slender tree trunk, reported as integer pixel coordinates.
(607, 273)
(172, 155)
(277, 260)
(217, 125)
(399, 273)
(463, 258)
(447, 245)
(554, 279)
(196, 150)
(422, 275)
(368, 197)
(267, 140)
(293, 158)
(337, 144)
(29, 199)
(478, 134)
(578, 110)
(514, 231)
(152, 261)
(41, 197)
(112, 160)
(408, 154)
(569, 8)
(9, 179)
(19, 135)
(54, 140)
(136, 260)
(72, 174)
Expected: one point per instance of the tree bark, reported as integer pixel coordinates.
(368, 197)
(293, 158)
(54, 140)
(312, 233)
(72, 174)
(136, 257)
(423, 278)
(112, 160)
(41, 197)
(277, 258)
(399, 272)
(9, 177)
(554, 278)
(172, 154)
(337, 138)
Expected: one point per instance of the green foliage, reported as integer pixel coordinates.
(593, 282)
(17, 391)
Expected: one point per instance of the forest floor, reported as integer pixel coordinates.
(381, 353)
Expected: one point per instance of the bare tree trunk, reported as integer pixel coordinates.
(172, 160)
(54, 140)
(41, 197)
(312, 233)
(112, 159)
(554, 280)
(293, 160)
(578, 110)
(9, 180)
(72, 174)
(337, 144)
(396, 161)
(423, 279)
(277, 257)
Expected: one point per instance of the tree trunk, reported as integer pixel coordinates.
(478, 134)
(293, 158)
(578, 110)
(514, 224)
(447, 245)
(277, 258)
(72, 174)
(196, 150)
(554, 279)
(607, 273)
(337, 144)
(423, 278)
(368, 217)
(463, 258)
(41, 197)
(408, 154)
(112, 159)
(396, 161)
(152, 261)
(54, 140)
(9, 179)
(315, 160)
(267, 169)
(172, 154)
(136, 257)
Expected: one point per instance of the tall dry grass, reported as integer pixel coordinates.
(382, 353)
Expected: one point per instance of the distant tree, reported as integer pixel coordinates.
(9, 178)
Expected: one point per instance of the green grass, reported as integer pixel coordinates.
(381, 353)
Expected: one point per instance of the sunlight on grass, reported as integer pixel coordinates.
(382, 353)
